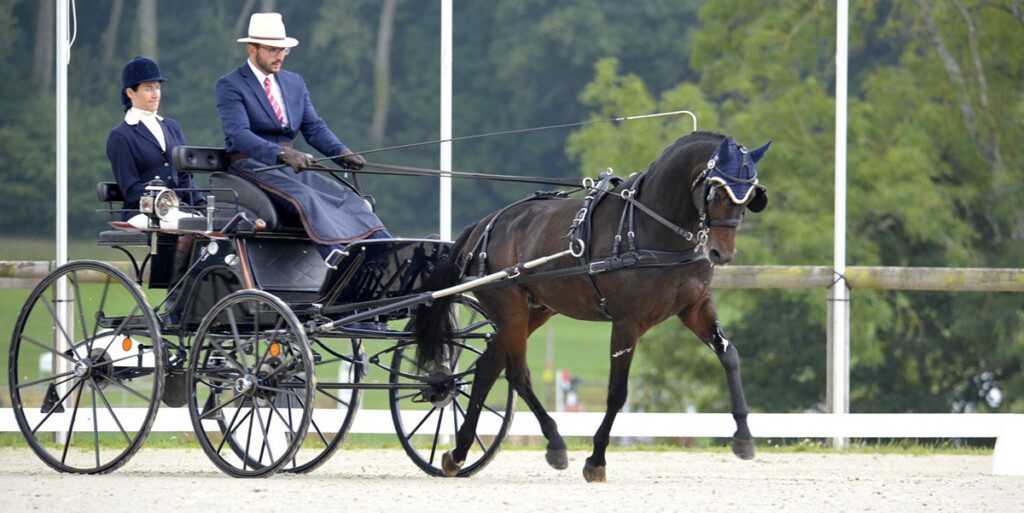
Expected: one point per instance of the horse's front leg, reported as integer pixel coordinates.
(623, 344)
(702, 319)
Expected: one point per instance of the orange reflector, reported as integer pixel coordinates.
(126, 344)
(275, 349)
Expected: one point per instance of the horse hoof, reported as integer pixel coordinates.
(743, 448)
(557, 458)
(449, 466)
(593, 474)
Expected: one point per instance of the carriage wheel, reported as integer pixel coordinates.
(251, 384)
(426, 421)
(85, 391)
(336, 406)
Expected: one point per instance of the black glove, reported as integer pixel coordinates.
(349, 160)
(295, 159)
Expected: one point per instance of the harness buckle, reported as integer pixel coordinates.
(576, 247)
(587, 180)
(628, 193)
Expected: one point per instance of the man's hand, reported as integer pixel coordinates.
(295, 159)
(349, 160)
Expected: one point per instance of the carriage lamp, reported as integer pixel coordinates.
(159, 202)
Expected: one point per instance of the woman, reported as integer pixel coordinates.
(139, 148)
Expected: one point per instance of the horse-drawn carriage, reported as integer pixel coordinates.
(255, 330)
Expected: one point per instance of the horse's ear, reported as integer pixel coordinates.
(760, 200)
(722, 153)
(759, 152)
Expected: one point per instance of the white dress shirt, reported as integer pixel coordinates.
(151, 120)
(275, 89)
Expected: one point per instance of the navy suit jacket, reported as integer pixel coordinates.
(250, 125)
(136, 158)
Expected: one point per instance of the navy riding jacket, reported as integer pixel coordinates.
(136, 158)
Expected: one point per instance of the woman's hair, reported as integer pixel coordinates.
(125, 100)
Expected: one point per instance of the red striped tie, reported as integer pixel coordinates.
(273, 101)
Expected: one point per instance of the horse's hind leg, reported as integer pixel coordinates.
(519, 377)
(702, 319)
(623, 343)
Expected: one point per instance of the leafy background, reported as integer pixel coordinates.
(934, 156)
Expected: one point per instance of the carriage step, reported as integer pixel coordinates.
(52, 401)
(175, 389)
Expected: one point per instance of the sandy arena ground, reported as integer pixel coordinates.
(360, 480)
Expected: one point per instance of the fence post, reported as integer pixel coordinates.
(837, 387)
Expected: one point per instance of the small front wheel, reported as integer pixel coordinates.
(251, 384)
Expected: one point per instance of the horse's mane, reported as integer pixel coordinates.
(687, 151)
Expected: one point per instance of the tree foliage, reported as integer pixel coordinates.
(934, 119)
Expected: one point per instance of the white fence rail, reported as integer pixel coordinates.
(1007, 429)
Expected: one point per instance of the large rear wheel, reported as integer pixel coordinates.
(252, 382)
(86, 370)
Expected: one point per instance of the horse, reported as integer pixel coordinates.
(692, 198)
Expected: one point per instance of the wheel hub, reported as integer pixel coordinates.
(245, 385)
(81, 369)
(443, 388)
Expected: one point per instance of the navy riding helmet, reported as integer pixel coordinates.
(136, 71)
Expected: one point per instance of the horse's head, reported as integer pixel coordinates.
(723, 190)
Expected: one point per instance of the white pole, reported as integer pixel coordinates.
(445, 207)
(840, 294)
(63, 50)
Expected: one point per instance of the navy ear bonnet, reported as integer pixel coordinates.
(734, 168)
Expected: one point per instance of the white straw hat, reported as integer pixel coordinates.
(267, 28)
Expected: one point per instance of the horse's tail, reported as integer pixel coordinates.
(432, 326)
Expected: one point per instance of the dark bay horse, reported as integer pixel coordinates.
(700, 187)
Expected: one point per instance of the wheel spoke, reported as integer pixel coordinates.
(44, 380)
(134, 392)
(332, 396)
(46, 348)
(71, 426)
(54, 409)
(424, 419)
(206, 414)
(488, 408)
(103, 301)
(228, 432)
(95, 422)
(226, 354)
(287, 422)
(56, 322)
(476, 436)
(81, 313)
(111, 410)
(323, 438)
(406, 396)
(129, 357)
(266, 437)
(248, 437)
(437, 434)
(120, 327)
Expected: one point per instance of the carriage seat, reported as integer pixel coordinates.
(110, 193)
(231, 191)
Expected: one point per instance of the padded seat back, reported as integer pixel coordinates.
(251, 199)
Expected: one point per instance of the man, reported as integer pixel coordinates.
(262, 108)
